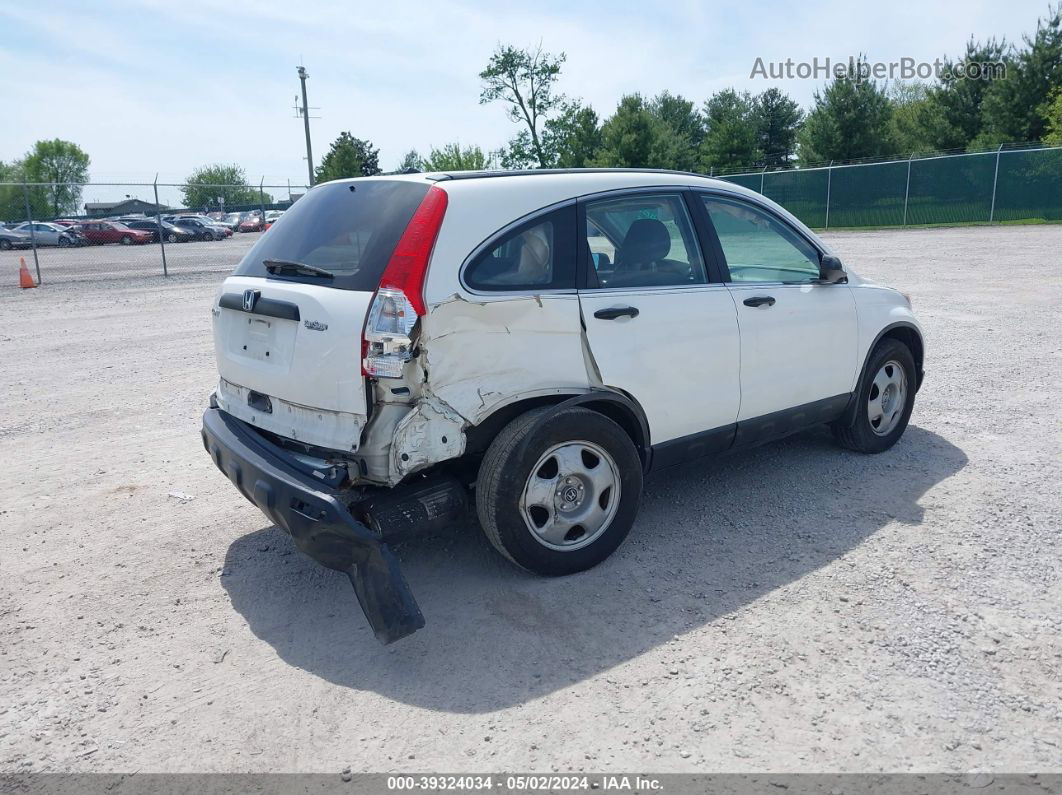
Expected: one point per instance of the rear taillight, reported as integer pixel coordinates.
(387, 342)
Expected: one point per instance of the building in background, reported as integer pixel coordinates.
(123, 207)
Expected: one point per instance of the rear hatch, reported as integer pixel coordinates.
(288, 323)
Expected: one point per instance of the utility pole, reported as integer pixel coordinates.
(305, 111)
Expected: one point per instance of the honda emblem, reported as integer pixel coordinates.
(250, 297)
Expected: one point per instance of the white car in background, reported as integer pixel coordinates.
(49, 234)
(539, 340)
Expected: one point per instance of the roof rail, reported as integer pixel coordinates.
(448, 175)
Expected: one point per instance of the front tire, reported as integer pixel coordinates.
(558, 491)
(126, 240)
(5, 244)
(884, 400)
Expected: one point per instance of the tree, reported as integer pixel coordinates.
(519, 153)
(680, 131)
(573, 137)
(777, 119)
(851, 119)
(1053, 120)
(64, 165)
(524, 80)
(411, 161)
(910, 103)
(951, 117)
(1013, 107)
(204, 186)
(348, 157)
(452, 157)
(732, 138)
(628, 137)
(12, 199)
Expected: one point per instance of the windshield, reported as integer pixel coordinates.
(346, 228)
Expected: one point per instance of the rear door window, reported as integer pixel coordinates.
(642, 240)
(346, 228)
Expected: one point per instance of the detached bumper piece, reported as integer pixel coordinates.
(318, 521)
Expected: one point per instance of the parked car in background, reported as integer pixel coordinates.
(202, 228)
(101, 232)
(14, 238)
(272, 217)
(232, 221)
(48, 234)
(77, 234)
(171, 233)
(66, 222)
(252, 222)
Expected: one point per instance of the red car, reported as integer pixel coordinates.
(113, 232)
(253, 223)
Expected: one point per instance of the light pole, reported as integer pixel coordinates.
(306, 124)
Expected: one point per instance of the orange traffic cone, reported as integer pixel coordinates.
(25, 281)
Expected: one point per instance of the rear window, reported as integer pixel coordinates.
(346, 228)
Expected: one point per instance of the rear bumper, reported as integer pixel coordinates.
(318, 520)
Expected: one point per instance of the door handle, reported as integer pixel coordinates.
(617, 311)
(759, 300)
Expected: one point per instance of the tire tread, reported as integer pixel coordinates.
(855, 435)
(491, 469)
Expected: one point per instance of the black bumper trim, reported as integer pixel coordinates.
(318, 521)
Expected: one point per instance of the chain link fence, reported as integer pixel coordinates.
(143, 230)
(1005, 186)
(146, 229)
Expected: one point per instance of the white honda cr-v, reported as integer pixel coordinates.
(539, 340)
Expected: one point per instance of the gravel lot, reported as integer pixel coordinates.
(794, 608)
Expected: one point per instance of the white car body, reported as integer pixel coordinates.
(696, 359)
(545, 337)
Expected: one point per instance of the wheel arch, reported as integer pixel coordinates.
(617, 406)
(904, 332)
(909, 335)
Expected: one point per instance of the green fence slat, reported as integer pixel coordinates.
(1030, 186)
(803, 193)
(953, 189)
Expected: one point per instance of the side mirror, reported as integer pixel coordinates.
(831, 271)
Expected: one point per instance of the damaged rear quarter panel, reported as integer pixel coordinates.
(481, 353)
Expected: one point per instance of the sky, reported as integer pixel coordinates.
(152, 88)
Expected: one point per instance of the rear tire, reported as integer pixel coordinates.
(171, 238)
(558, 491)
(5, 244)
(884, 400)
(126, 240)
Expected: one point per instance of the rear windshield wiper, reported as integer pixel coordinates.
(282, 267)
